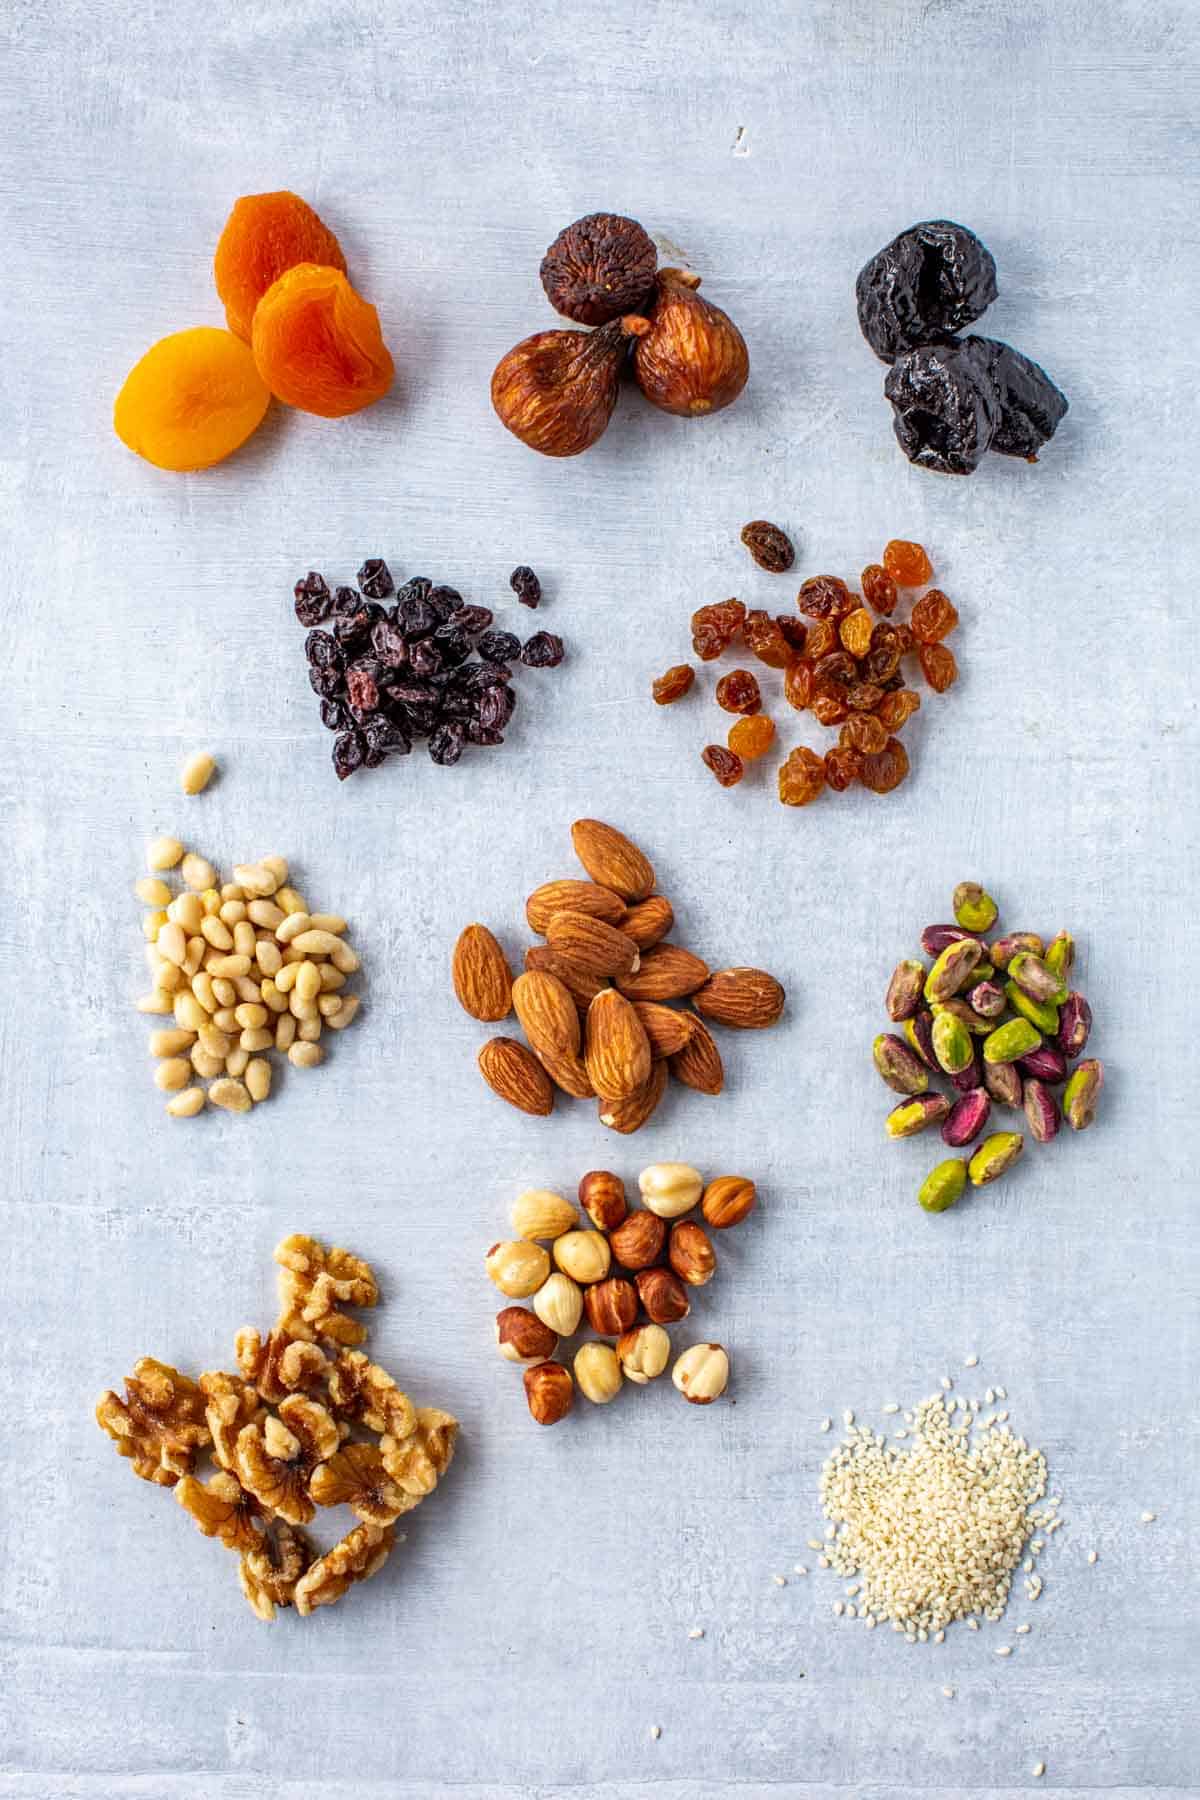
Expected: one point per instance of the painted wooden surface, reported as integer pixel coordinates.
(535, 1625)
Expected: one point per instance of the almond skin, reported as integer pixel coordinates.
(482, 977)
(569, 1072)
(698, 1065)
(590, 944)
(572, 896)
(515, 1073)
(648, 921)
(610, 859)
(746, 999)
(548, 1014)
(581, 986)
(630, 1115)
(617, 1049)
(666, 972)
(667, 1027)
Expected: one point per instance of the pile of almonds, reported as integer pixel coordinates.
(575, 1279)
(593, 999)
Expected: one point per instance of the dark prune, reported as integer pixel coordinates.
(383, 738)
(525, 585)
(771, 548)
(944, 405)
(1031, 407)
(322, 650)
(313, 598)
(471, 619)
(499, 646)
(739, 692)
(388, 643)
(542, 651)
(362, 690)
(424, 656)
(375, 578)
(446, 743)
(348, 754)
(725, 764)
(825, 597)
(928, 282)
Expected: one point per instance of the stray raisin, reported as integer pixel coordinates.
(895, 709)
(525, 585)
(798, 685)
(499, 647)
(313, 599)
(739, 692)
(673, 685)
(855, 631)
(375, 579)
(751, 737)
(933, 617)
(879, 588)
(938, 666)
(727, 767)
(929, 281)
(865, 732)
(801, 777)
(542, 651)
(715, 627)
(771, 548)
(886, 769)
(348, 753)
(908, 564)
(843, 766)
(762, 636)
(825, 597)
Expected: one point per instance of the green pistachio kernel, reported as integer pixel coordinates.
(952, 969)
(996, 1154)
(1059, 954)
(1039, 1012)
(1008, 1042)
(943, 1186)
(951, 1043)
(974, 909)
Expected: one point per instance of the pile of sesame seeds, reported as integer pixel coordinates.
(934, 1531)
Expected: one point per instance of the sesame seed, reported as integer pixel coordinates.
(697, 1631)
(847, 1417)
(1148, 1518)
(656, 1731)
(800, 1569)
(1001, 1393)
(949, 1693)
(971, 1362)
(1038, 1769)
(1004, 1650)
(891, 1406)
(815, 1544)
(972, 1624)
(839, 1607)
(779, 1580)
(990, 1397)
(822, 1562)
(939, 1637)
(850, 1611)
(1093, 1556)
(947, 1383)
(1023, 1630)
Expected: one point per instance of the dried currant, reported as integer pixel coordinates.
(322, 651)
(929, 281)
(313, 599)
(879, 588)
(348, 753)
(542, 651)
(907, 563)
(725, 765)
(375, 579)
(944, 404)
(525, 585)
(763, 637)
(801, 777)
(885, 769)
(843, 766)
(471, 620)
(446, 743)
(673, 685)
(1031, 407)
(938, 666)
(770, 547)
(933, 617)
(499, 646)
(825, 597)
(752, 737)
(739, 692)
(714, 628)
(599, 267)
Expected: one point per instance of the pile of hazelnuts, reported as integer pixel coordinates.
(629, 1274)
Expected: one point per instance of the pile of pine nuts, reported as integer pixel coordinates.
(244, 969)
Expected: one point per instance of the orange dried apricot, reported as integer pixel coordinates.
(264, 236)
(192, 400)
(318, 345)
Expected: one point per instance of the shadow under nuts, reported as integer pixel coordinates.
(663, 1296)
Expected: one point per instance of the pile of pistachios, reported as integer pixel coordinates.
(1001, 1021)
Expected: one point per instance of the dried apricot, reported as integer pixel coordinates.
(801, 777)
(194, 398)
(724, 764)
(906, 563)
(752, 737)
(879, 589)
(264, 236)
(933, 617)
(318, 345)
(739, 692)
(938, 666)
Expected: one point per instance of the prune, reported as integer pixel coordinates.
(771, 548)
(795, 632)
(763, 638)
(863, 731)
(313, 599)
(525, 585)
(822, 638)
(938, 666)
(885, 769)
(933, 617)
(499, 646)
(446, 743)
(855, 631)
(322, 651)
(542, 651)
(864, 696)
(894, 709)
(945, 405)
(725, 765)
(798, 685)
(348, 754)
(838, 666)
(739, 692)
(470, 619)
(907, 563)
(388, 643)
(824, 597)
(801, 777)
(843, 766)
(424, 657)
(362, 689)
(930, 281)
(879, 588)
(1031, 407)
(828, 703)
(715, 627)
(384, 738)
(751, 737)
(673, 685)
(375, 579)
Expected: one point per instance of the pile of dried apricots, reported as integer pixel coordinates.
(297, 330)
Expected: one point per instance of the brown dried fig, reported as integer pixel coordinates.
(598, 268)
(556, 390)
(693, 360)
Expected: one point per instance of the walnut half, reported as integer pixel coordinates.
(270, 1571)
(314, 1283)
(359, 1555)
(275, 1460)
(416, 1463)
(222, 1509)
(355, 1477)
(160, 1423)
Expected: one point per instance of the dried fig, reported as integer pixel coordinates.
(693, 360)
(598, 268)
(556, 390)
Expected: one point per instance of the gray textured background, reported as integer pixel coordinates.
(535, 1625)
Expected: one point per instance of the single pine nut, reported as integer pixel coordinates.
(301, 1009)
(157, 1002)
(189, 1014)
(248, 990)
(237, 1062)
(229, 966)
(209, 1067)
(187, 910)
(345, 1013)
(258, 1078)
(202, 987)
(256, 1037)
(172, 942)
(285, 980)
(225, 1019)
(197, 949)
(244, 940)
(291, 927)
(198, 872)
(187, 1104)
(231, 911)
(305, 1055)
(172, 1073)
(231, 891)
(170, 979)
(329, 1005)
(224, 991)
(309, 1030)
(268, 956)
(331, 979)
(308, 981)
(151, 891)
(344, 958)
(257, 880)
(230, 1095)
(292, 955)
(278, 867)
(197, 772)
(266, 914)
(250, 1016)
(152, 924)
(214, 1041)
(163, 853)
(169, 1043)
(331, 922)
(210, 900)
(216, 933)
(318, 943)
(285, 1031)
(290, 900)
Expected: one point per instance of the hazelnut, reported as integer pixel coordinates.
(598, 1373)
(727, 1200)
(638, 1241)
(549, 1392)
(602, 1197)
(670, 1189)
(690, 1253)
(556, 390)
(518, 1269)
(599, 267)
(643, 1353)
(583, 1255)
(537, 1213)
(693, 360)
(558, 1303)
(521, 1336)
(701, 1374)
(663, 1295)
(611, 1306)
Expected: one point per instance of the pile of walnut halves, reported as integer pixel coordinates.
(308, 1422)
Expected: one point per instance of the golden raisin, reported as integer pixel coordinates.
(194, 398)
(843, 766)
(828, 703)
(907, 563)
(886, 768)
(895, 708)
(863, 731)
(855, 631)
(751, 737)
(938, 666)
(798, 685)
(318, 345)
(933, 617)
(822, 638)
(825, 597)
(725, 765)
(264, 236)
(674, 684)
(714, 627)
(764, 638)
(801, 777)
(879, 590)
(739, 692)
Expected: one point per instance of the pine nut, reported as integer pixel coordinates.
(151, 891)
(169, 978)
(187, 1104)
(163, 853)
(216, 933)
(237, 1062)
(152, 924)
(345, 1014)
(229, 966)
(278, 867)
(257, 880)
(230, 1095)
(197, 772)
(250, 1016)
(210, 900)
(257, 1037)
(258, 1078)
(301, 1009)
(290, 900)
(197, 871)
(169, 1043)
(304, 1056)
(248, 990)
(266, 914)
(318, 943)
(291, 927)
(268, 956)
(285, 980)
(187, 910)
(331, 922)
(308, 981)
(231, 891)
(196, 950)
(329, 1005)
(344, 958)
(223, 990)
(202, 987)
(285, 1031)
(331, 979)
(172, 942)
(214, 1041)
(209, 1067)
(292, 955)
(157, 1002)
(231, 911)
(172, 1073)
(272, 999)
(309, 1030)
(244, 940)
(225, 1019)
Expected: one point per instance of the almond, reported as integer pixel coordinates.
(667, 972)
(618, 1050)
(572, 896)
(648, 921)
(482, 977)
(593, 946)
(666, 1027)
(548, 1014)
(569, 1072)
(610, 858)
(698, 1065)
(747, 999)
(581, 986)
(630, 1115)
(515, 1073)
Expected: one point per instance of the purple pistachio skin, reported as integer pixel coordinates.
(967, 1118)
(1041, 1110)
(935, 938)
(986, 999)
(1003, 1083)
(1074, 1025)
(972, 1076)
(1045, 1064)
(922, 1030)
